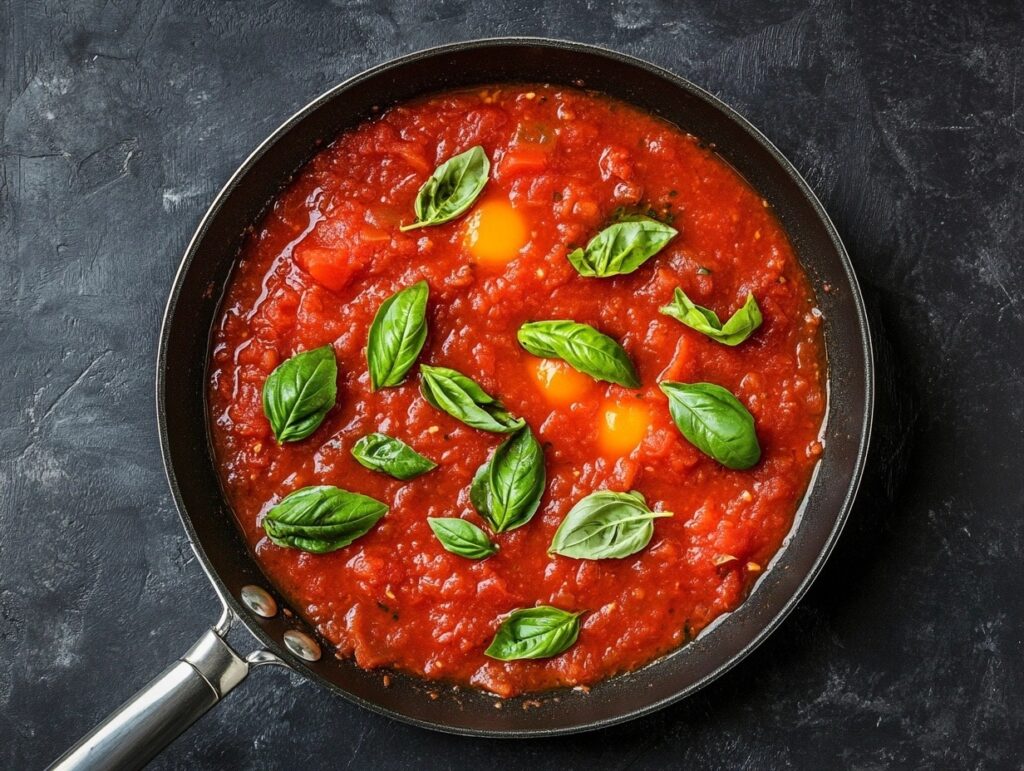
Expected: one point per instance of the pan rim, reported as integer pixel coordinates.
(863, 332)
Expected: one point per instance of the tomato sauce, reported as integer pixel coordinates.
(564, 162)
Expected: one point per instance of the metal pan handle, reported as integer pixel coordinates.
(151, 719)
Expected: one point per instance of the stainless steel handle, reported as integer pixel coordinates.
(161, 711)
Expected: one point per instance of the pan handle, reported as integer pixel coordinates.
(163, 709)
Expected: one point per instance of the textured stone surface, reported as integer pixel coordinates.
(121, 119)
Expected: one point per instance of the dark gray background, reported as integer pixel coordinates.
(121, 120)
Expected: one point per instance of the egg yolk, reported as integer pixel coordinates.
(560, 383)
(623, 426)
(495, 232)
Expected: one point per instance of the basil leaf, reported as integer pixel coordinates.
(322, 519)
(464, 400)
(461, 537)
(606, 525)
(397, 335)
(480, 491)
(715, 422)
(507, 489)
(534, 633)
(299, 393)
(582, 347)
(451, 189)
(622, 248)
(380, 452)
(738, 328)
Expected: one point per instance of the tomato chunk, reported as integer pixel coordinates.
(330, 267)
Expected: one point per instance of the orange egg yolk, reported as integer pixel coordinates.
(623, 424)
(495, 232)
(560, 383)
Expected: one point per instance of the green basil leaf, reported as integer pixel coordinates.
(464, 400)
(299, 393)
(606, 525)
(506, 490)
(715, 422)
(380, 452)
(397, 335)
(582, 347)
(738, 328)
(451, 189)
(322, 519)
(622, 248)
(480, 490)
(534, 633)
(461, 537)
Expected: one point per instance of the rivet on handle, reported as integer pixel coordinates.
(258, 600)
(302, 645)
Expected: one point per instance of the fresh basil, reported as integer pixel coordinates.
(534, 633)
(582, 347)
(397, 335)
(715, 422)
(622, 248)
(451, 189)
(461, 537)
(464, 400)
(299, 393)
(738, 328)
(606, 525)
(480, 491)
(322, 519)
(507, 489)
(380, 452)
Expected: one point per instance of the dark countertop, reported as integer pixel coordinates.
(120, 121)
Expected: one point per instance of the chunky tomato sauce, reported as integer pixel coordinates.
(564, 162)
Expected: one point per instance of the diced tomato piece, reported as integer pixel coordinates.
(372, 236)
(330, 267)
(414, 157)
(522, 160)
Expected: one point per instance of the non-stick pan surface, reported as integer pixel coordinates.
(193, 308)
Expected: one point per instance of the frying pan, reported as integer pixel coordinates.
(211, 668)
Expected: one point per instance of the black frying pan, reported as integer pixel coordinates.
(209, 670)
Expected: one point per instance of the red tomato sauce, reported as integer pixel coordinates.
(330, 251)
